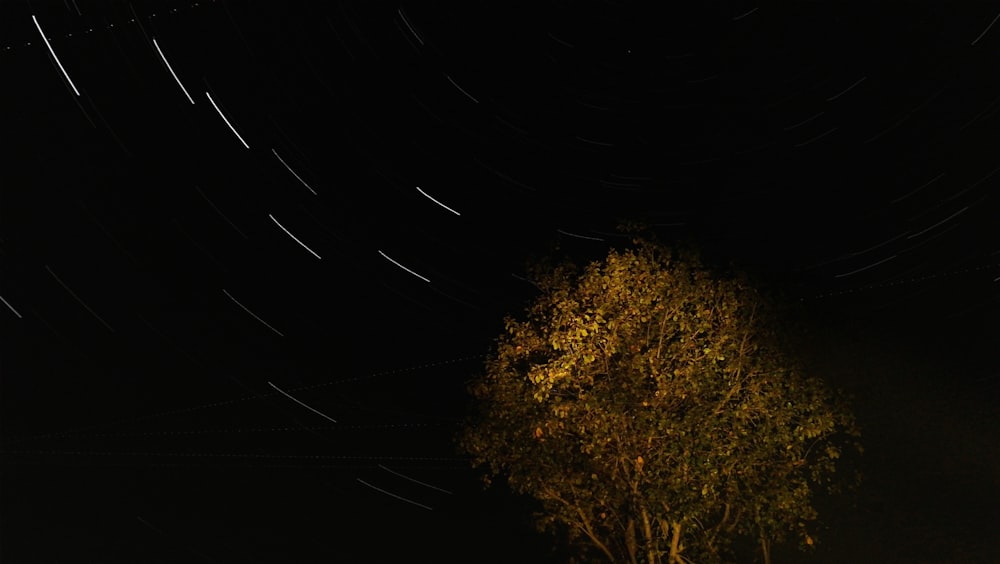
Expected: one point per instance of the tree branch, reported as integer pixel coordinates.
(663, 328)
(583, 524)
(739, 368)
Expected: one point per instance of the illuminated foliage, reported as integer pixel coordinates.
(653, 411)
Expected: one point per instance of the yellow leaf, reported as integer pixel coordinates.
(538, 432)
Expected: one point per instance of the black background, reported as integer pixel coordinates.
(157, 320)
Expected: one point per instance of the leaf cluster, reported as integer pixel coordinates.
(650, 406)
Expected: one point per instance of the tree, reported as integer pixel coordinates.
(654, 411)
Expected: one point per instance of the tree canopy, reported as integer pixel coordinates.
(652, 407)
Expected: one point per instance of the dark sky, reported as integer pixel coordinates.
(252, 251)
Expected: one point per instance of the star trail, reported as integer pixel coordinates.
(201, 360)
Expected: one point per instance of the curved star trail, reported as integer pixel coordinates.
(851, 171)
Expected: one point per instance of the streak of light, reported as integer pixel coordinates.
(144, 522)
(579, 236)
(226, 120)
(437, 202)
(740, 17)
(803, 122)
(979, 115)
(631, 177)
(138, 22)
(817, 138)
(395, 496)
(252, 313)
(846, 90)
(343, 44)
(403, 267)
(925, 184)
(616, 235)
(233, 455)
(757, 148)
(77, 298)
(856, 253)
(882, 244)
(105, 231)
(171, 69)
(242, 430)
(938, 223)
(905, 117)
(559, 41)
(129, 423)
(293, 236)
(902, 280)
(421, 305)
(406, 35)
(6, 303)
(926, 211)
(873, 265)
(180, 229)
(621, 186)
(299, 178)
(888, 129)
(503, 176)
(220, 212)
(111, 130)
(312, 409)
(413, 31)
(414, 481)
(523, 279)
(592, 142)
(94, 125)
(456, 300)
(974, 184)
(460, 89)
(985, 30)
(68, 79)
(705, 79)
(701, 161)
(512, 126)
(929, 239)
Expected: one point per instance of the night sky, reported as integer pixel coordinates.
(251, 252)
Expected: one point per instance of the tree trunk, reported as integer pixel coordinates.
(650, 541)
(675, 545)
(765, 547)
(714, 533)
(630, 541)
